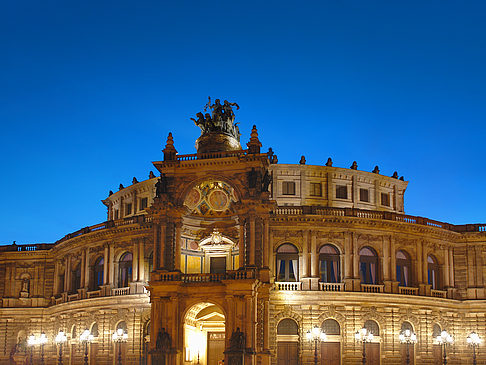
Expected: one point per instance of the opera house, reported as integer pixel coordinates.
(225, 256)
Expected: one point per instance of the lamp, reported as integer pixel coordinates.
(473, 340)
(118, 337)
(408, 338)
(364, 336)
(42, 341)
(86, 337)
(315, 336)
(60, 340)
(31, 342)
(443, 340)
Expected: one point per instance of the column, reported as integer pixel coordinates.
(271, 258)
(393, 258)
(446, 273)
(105, 265)
(386, 258)
(135, 261)
(305, 253)
(420, 265)
(354, 239)
(86, 268)
(56, 278)
(178, 243)
(141, 260)
(241, 243)
(314, 266)
(451, 266)
(348, 257)
(266, 242)
(111, 264)
(252, 241)
(83, 269)
(67, 274)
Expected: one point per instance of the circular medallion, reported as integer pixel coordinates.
(218, 200)
(192, 199)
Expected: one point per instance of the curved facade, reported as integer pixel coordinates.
(230, 255)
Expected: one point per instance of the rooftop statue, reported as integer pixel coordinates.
(221, 119)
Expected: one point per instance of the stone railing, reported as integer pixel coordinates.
(406, 290)
(94, 294)
(372, 288)
(26, 248)
(202, 156)
(374, 214)
(288, 286)
(207, 277)
(331, 286)
(72, 297)
(120, 291)
(438, 293)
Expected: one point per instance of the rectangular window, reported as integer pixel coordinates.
(116, 213)
(288, 188)
(143, 203)
(364, 195)
(128, 209)
(385, 199)
(315, 189)
(341, 192)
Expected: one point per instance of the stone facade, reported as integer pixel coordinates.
(230, 255)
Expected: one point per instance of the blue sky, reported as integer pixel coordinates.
(89, 91)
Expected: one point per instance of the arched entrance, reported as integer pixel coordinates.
(204, 334)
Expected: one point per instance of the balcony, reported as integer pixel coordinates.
(438, 293)
(206, 277)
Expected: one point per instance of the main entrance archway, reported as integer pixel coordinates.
(204, 334)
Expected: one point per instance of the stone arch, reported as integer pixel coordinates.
(372, 314)
(183, 193)
(333, 244)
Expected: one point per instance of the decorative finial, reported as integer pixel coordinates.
(354, 166)
(302, 160)
(329, 162)
(151, 175)
(395, 175)
(254, 144)
(110, 193)
(169, 150)
(270, 153)
(274, 159)
(376, 170)
(121, 187)
(134, 180)
(401, 178)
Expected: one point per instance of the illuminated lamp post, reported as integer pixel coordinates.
(42, 341)
(474, 341)
(364, 336)
(86, 337)
(408, 338)
(31, 342)
(119, 337)
(443, 340)
(60, 340)
(315, 336)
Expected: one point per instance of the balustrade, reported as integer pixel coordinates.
(438, 293)
(331, 286)
(120, 291)
(291, 286)
(372, 288)
(406, 290)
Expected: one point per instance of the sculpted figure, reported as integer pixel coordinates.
(161, 185)
(200, 122)
(228, 110)
(267, 180)
(237, 340)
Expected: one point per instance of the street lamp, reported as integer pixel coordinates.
(363, 336)
(443, 340)
(315, 335)
(86, 337)
(31, 342)
(118, 337)
(60, 340)
(473, 341)
(42, 341)
(408, 338)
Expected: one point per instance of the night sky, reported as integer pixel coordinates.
(89, 91)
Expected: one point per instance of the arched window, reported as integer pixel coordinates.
(76, 279)
(122, 325)
(125, 270)
(287, 327)
(368, 265)
(329, 264)
(436, 330)
(98, 272)
(406, 326)
(404, 265)
(94, 330)
(73, 332)
(331, 327)
(372, 327)
(287, 263)
(433, 272)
